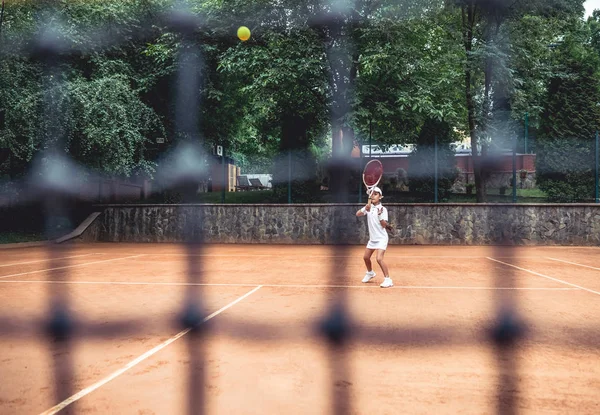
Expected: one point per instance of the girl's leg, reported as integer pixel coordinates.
(367, 258)
(381, 262)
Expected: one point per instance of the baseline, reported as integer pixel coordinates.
(363, 286)
(388, 255)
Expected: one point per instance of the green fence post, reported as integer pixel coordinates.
(435, 184)
(597, 169)
(526, 131)
(370, 138)
(514, 171)
(361, 167)
(225, 178)
(290, 176)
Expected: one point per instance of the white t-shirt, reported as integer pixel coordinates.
(374, 218)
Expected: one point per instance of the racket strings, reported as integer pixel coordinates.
(370, 180)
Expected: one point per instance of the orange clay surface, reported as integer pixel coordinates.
(417, 348)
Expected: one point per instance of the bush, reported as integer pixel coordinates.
(565, 170)
(565, 146)
(421, 172)
(305, 185)
(303, 191)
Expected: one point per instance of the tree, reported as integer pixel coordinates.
(488, 76)
(410, 72)
(95, 92)
(570, 119)
(282, 92)
(314, 74)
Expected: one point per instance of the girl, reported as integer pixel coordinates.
(377, 219)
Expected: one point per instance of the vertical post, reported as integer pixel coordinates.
(370, 137)
(435, 184)
(514, 171)
(225, 179)
(1, 17)
(526, 131)
(290, 176)
(359, 173)
(597, 168)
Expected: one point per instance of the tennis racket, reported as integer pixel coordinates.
(372, 174)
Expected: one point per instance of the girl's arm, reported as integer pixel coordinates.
(383, 222)
(360, 211)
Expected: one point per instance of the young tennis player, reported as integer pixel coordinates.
(377, 220)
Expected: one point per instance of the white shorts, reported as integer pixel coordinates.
(380, 244)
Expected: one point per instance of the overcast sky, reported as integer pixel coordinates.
(590, 5)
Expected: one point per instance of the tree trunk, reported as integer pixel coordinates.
(469, 12)
(343, 137)
(342, 141)
(488, 107)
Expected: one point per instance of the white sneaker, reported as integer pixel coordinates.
(369, 276)
(387, 283)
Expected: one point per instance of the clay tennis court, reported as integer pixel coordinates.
(419, 347)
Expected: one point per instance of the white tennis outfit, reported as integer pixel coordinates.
(378, 236)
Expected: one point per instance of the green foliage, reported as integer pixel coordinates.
(101, 122)
(533, 56)
(92, 106)
(565, 169)
(20, 237)
(410, 71)
(395, 65)
(283, 75)
(253, 164)
(20, 90)
(112, 124)
(565, 160)
(594, 27)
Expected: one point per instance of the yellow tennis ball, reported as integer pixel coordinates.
(243, 33)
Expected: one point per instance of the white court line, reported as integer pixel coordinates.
(46, 259)
(154, 255)
(100, 383)
(184, 284)
(573, 263)
(567, 247)
(545, 276)
(69, 266)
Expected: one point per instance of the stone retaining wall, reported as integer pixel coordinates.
(448, 224)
